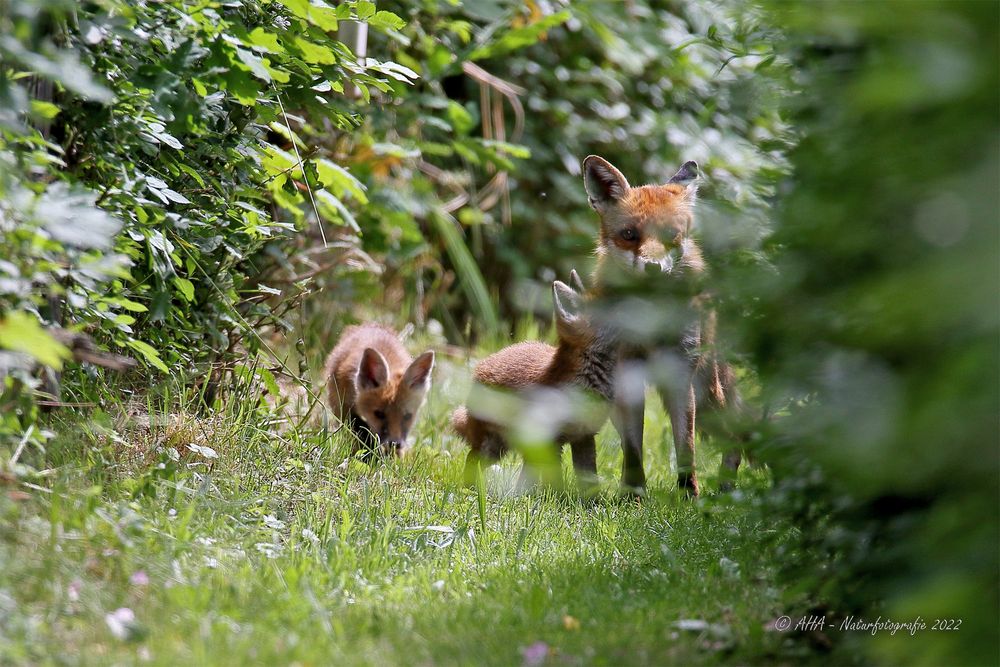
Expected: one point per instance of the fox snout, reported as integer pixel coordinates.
(393, 448)
(652, 267)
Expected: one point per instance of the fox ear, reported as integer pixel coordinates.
(686, 175)
(605, 184)
(419, 372)
(373, 372)
(568, 307)
(576, 282)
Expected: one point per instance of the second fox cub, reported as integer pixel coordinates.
(376, 388)
(584, 360)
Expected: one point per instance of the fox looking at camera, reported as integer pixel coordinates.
(376, 388)
(645, 245)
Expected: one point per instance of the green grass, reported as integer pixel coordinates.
(271, 555)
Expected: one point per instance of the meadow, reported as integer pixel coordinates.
(234, 542)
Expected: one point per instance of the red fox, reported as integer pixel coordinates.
(376, 388)
(647, 230)
(535, 372)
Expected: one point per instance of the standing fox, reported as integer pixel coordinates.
(645, 237)
(376, 388)
(539, 374)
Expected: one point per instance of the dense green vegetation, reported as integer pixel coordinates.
(213, 189)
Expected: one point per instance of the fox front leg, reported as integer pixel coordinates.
(681, 407)
(627, 417)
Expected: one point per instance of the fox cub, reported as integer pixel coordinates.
(646, 232)
(376, 388)
(539, 376)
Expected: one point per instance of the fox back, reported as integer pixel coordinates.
(375, 387)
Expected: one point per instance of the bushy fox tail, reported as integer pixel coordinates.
(460, 421)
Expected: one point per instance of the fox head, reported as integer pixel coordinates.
(645, 229)
(388, 402)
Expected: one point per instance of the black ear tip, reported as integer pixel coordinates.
(686, 174)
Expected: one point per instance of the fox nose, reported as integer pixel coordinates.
(656, 267)
(394, 447)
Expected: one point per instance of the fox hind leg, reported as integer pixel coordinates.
(584, 450)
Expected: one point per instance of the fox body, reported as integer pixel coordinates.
(376, 388)
(536, 373)
(646, 231)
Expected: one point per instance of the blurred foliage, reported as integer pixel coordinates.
(162, 162)
(646, 83)
(881, 322)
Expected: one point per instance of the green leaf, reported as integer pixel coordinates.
(254, 64)
(45, 110)
(460, 118)
(340, 181)
(315, 54)
(186, 288)
(175, 196)
(324, 18)
(149, 353)
(267, 377)
(384, 20)
(126, 304)
(264, 40)
(21, 332)
(364, 9)
(513, 150)
(520, 37)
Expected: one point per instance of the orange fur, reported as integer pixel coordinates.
(649, 228)
(584, 358)
(382, 410)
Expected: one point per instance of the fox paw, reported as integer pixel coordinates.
(687, 483)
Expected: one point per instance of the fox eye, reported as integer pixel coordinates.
(379, 414)
(408, 416)
(628, 234)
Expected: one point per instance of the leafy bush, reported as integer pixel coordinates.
(882, 320)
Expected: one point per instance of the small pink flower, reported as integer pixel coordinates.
(535, 654)
(139, 578)
(73, 590)
(121, 622)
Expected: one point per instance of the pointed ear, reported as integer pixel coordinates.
(419, 372)
(568, 308)
(373, 372)
(686, 175)
(576, 282)
(605, 184)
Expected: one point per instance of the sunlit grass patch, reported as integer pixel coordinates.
(273, 552)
